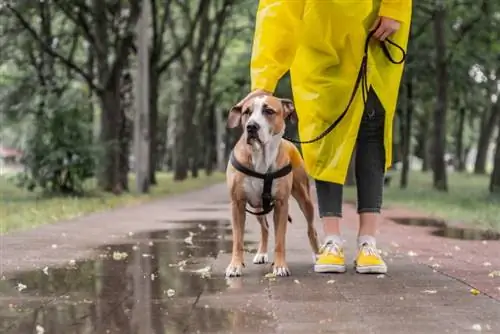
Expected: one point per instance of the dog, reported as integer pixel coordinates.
(261, 150)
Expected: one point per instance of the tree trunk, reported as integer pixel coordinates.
(109, 171)
(153, 124)
(459, 137)
(488, 121)
(495, 175)
(209, 140)
(185, 152)
(440, 181)
(406, 136)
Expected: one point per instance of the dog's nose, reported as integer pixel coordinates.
(253, 127)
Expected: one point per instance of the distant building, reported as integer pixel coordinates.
(10, 160)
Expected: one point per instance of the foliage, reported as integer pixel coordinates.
(59, 154)
(22, 210)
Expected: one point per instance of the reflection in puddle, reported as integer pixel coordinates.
(443, 230)
(149, 285)
(466, 233)
(419, 222)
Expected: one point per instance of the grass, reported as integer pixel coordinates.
(20, 209)
(467, 201)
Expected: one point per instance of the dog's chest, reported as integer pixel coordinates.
(254, 187)
(253, 190)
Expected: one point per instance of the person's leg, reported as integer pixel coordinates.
(370, 165)
(331, 257)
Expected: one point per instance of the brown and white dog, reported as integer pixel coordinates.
(262, 149)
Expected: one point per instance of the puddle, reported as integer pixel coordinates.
(446, 231)
(419, 222)
(149, 284)
(466, 233)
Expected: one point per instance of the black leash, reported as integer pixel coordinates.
(267, 198)
(362, 79)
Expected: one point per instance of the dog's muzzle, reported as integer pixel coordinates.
(252, 130)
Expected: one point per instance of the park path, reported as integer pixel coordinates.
(160, 265)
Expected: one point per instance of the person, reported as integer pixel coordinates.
(322, 44)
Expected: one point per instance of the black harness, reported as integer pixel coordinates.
(266, 197)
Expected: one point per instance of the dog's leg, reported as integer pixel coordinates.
(280, 267)
(261, 257)
(235, 268)
(302, 195)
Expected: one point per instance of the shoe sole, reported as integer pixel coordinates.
(380, 269)
(329, 268)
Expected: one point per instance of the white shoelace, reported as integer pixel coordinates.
(331, 247)
(368, 249)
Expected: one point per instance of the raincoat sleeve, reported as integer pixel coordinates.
(275, 41)
(399, 10)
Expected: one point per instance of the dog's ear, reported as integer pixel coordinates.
(289, 109)
(234, 117)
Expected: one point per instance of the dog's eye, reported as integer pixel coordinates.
(246, 111)
(268, 111)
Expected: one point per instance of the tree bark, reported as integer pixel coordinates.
(488, 121)
(495, 175)
(406, 137)
(459, 137)
(153, 124)
(440, 181)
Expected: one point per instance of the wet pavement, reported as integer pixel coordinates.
(159, 268)
(449, 231)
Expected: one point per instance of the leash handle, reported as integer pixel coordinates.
(361, 79)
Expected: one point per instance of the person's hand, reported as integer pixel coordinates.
(251, 95)
(386, 27)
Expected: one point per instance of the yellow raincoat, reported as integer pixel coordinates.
(322, 42)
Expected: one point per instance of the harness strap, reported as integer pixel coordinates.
(267, 199)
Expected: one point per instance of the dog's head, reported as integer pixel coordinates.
(262, 118)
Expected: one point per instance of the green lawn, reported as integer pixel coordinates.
(20, 209)
(468, 200)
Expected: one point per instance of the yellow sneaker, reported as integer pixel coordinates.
(369, 260)
(331, 259)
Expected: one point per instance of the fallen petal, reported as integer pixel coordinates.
(170, 292)
(330, 281)
(189, 240)
(477, 327)
(495, 273)
(296, 281)
(475, 292)
(46, 271)
(430, 292)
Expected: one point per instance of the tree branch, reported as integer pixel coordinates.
(465, 29)
(50, 51)
(187, 41)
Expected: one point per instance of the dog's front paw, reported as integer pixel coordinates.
(260, 258)
(234, 270)
(281, 270)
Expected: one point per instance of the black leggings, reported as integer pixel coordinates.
(369, 166)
